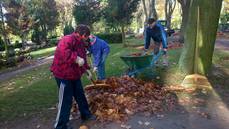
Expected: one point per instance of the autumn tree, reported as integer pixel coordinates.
(18, 19)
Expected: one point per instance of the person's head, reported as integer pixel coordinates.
(151, 22)
(82, 31)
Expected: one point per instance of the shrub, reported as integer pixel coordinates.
(68, 29)
(111, 37)
(17, 44)
(53, 41)
(11, 51)
(38, 36)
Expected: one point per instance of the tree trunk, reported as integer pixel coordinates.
(153, 8)
(123, 34)
(185, 11)
(145, 10)
(200, 35)
(23, 40)
(169, 9)
(5, 38)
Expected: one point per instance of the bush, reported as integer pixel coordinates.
(53, 37)
(11, 51)
(68, 29)
(17, 44)
(11, 61)
(38, 36)
(53, 42)
(111, 37)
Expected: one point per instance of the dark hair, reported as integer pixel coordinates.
(151, 20)
(82, 30)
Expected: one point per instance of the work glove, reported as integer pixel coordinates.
(145, 52)
(89, 75)
(95, 69)
(88, 53)
(80, 61)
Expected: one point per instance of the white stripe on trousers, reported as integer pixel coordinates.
(61, 95)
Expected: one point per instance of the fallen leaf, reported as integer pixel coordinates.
(147, 123)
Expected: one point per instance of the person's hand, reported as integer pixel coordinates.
(95, 69)
(80, 61)
(89, 75)
(145, 52)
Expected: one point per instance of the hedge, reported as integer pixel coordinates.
(68, 29)
(53, 41)
(111, 37)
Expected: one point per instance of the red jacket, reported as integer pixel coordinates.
(64, 66)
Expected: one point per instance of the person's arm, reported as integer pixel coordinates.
(163, 35)
(106, 51)
(147, 38)
(97, 53)
(106, 48)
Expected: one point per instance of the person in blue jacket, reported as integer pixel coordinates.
(99, 50)
(156, 31)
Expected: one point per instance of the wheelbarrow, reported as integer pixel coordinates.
(138, 62)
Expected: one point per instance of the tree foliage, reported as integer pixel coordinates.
(65, 9)
(87, 11)
(45, 15)
(120, 13)
(18, 19)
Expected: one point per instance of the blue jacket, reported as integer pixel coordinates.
(100, 49)
(157, 33)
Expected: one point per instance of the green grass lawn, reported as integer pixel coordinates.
(43, 52)
(35, 91)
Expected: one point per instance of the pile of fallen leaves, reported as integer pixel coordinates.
(126, 97)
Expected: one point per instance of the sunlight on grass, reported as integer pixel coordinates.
(43, 52)
(35, 90)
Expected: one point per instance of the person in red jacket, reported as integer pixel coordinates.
(68, 66)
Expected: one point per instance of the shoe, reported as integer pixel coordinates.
(90, 118)
(156, 64)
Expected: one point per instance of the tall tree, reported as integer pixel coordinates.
(3, 31)
(65, 9)
(200, 36)
(87, 12)
(152, 8)
(18, 19)
(120, 13)
(46, 16)
(169, 8)
(185, 4)
(145, 9)
(149, 7)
